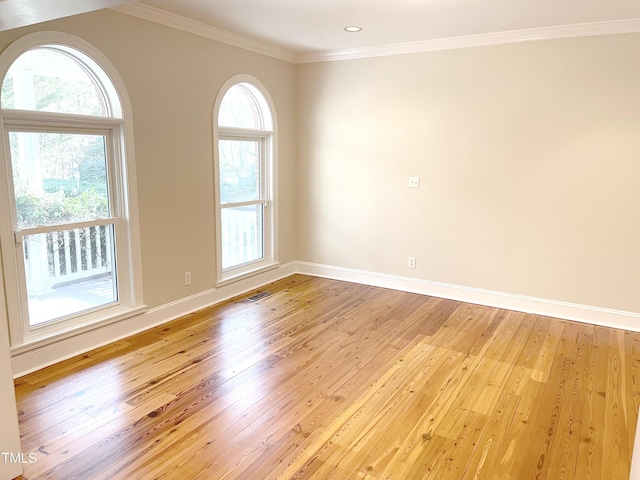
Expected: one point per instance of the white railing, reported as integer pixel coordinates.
(241, 237)
(78, 254)
(59, 258)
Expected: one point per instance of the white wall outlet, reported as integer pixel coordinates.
(412, 262)
(187, 278)
(414, 182)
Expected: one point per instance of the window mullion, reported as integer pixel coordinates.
(243, 204)
(28, 118)
(264, 183)
(46, 127)
(114, 178)
(256, 136)
(242, 132)
(63, 226)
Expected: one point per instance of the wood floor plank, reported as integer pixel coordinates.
(562, 459)
(616, 463)
(454, 458)
(556, 398)
(332, 380)
(397, 409)
(318, 443)
(632, 377)
(591, 448)
(498, 453)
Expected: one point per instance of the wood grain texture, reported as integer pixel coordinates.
(333, 380)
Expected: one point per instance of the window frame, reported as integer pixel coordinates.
(268, 187)
(117, 128)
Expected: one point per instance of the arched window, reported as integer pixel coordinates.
(70, 245)
(245, 172)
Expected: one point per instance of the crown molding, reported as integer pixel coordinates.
(481, 40)
(178, 22)
(162, 17)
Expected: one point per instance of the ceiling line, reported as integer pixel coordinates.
(480, 40)
(168, 19)
(178, 22)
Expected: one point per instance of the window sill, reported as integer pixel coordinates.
(35, 339)
(246, 274)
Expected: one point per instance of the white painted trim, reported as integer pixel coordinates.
(551, 308)
(10, 438)
(162, 17)
(482, 40)
(96, 319)
(44, 355)
(178, 22)
(247, 273)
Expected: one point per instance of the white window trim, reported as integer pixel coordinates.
(117, 126)
(270, 228)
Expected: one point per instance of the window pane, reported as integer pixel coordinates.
(240, 109)
(241, 235)
(58, 178)
(47, 80)
(239, 170)
(69, 271)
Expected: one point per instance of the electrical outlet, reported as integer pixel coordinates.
(414, 182)
(187, 278)
(412, 262)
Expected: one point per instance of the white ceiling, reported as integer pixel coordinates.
(312, 30)
(304, 26)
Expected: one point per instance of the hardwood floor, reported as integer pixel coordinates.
(333, 380)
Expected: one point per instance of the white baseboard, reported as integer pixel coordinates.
(39, 357)
(42, 356)
(551, 308)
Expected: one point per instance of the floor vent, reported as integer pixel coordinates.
(259, 296)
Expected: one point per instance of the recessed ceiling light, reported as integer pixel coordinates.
(352, 28)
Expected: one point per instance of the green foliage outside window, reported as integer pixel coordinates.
(51, 208)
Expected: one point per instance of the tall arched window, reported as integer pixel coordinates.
(69, 241)
(245, 173)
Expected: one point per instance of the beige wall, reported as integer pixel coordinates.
(529, 158)
(173, 79)
(528, 155)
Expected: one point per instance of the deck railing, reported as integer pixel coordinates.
(68, 256)
(241, 237)
(64, 257)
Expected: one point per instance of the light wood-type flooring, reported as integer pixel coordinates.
(333, 380)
